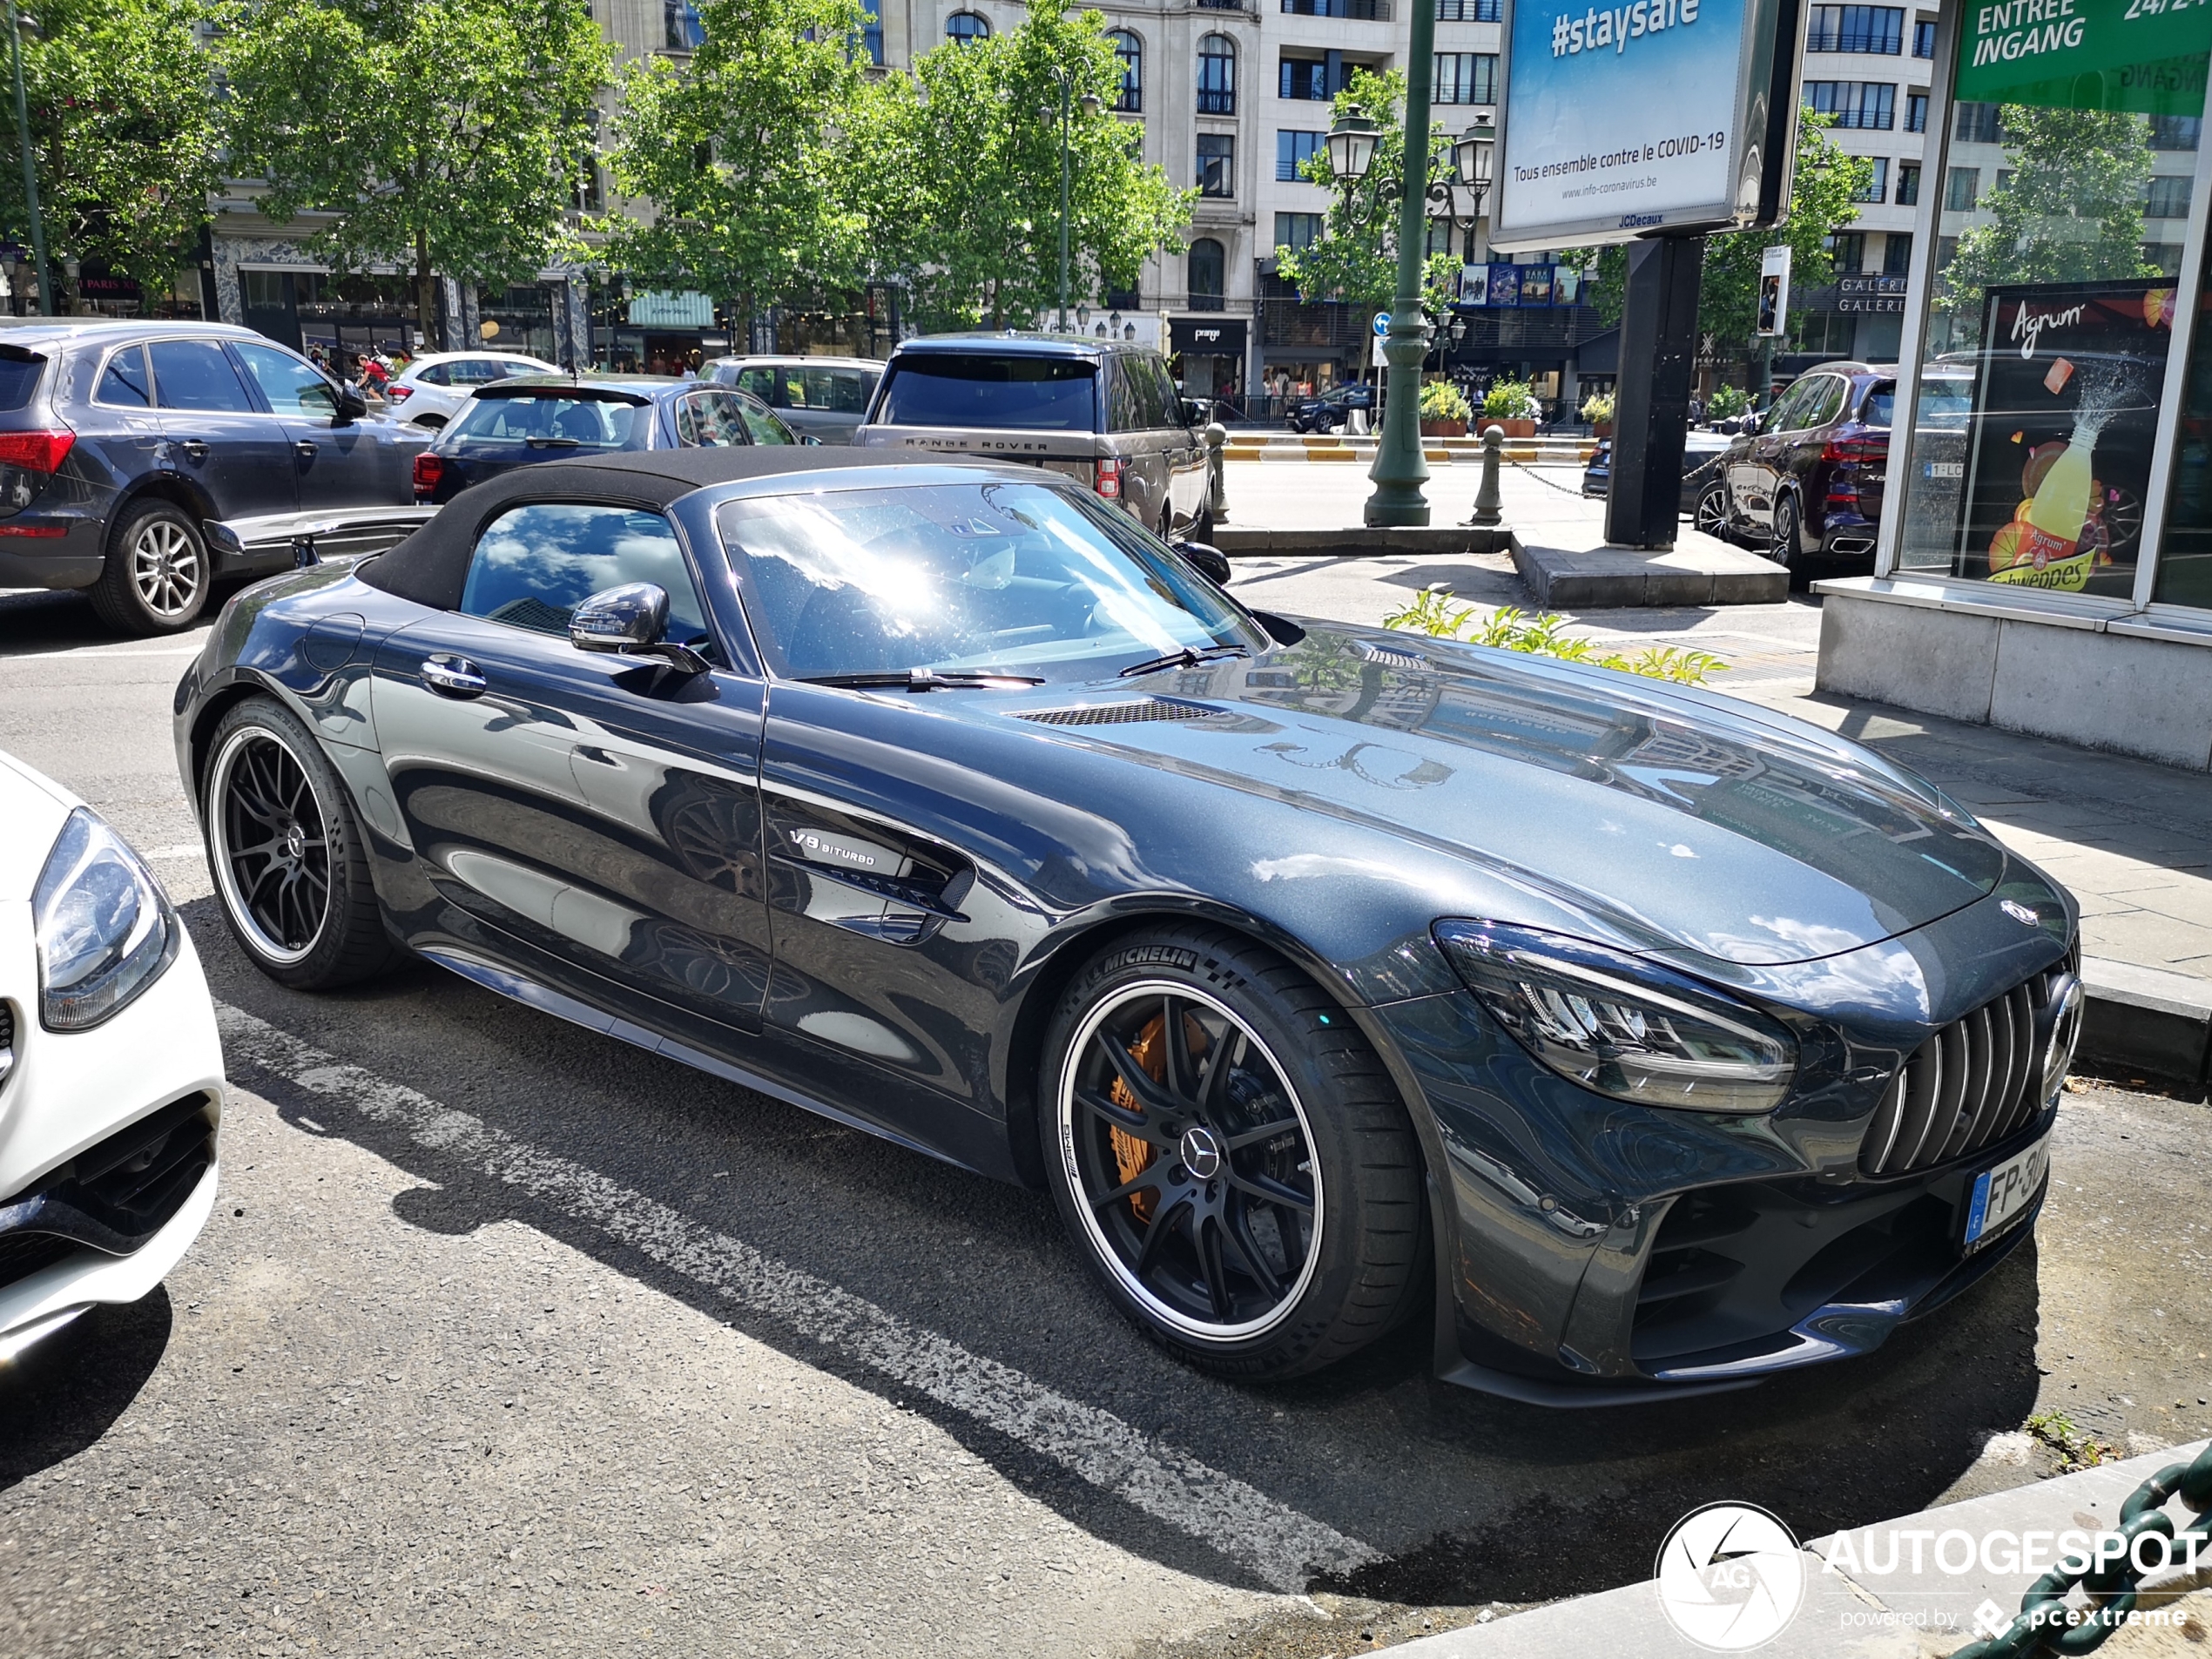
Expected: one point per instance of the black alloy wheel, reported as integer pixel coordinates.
(288, 861)
(1232, 1155)
(1713, 516)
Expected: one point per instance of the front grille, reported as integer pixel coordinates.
(119, 1194)
(24, 1254)
(1152, 708)
(1969, 1086)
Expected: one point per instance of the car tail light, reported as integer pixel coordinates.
(1856, 450)
(399, 391)
(42, 451)
(1110, 479)
(428, 470)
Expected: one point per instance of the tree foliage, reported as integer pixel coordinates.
(1825, 186)
(123, 129)
(2072, 212)
(1356, 259)
(962, 161)
(747, 154)
(446, 136)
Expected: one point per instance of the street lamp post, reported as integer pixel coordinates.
(1400, 470)
(30, 168)
(1066, 78)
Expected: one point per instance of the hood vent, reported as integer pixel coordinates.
(1150, 708)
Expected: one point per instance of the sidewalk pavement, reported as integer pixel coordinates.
(2131, 839)
(1861, 1614)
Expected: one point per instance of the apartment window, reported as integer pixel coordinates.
(1296, 231)
(1975, 124)
(1207, 263)
(1216, 164)
(2167, 197)
(1466, 78)
(2175, 132)
(1848, 249)
(1877, 186)
(1216, 76)
(966, 26)
(1856, 29)
(1908, 184)
(1470, 11)
(1131, 51)
(1924, 40)
(872, 31)
(1854, 104)
(1946, 251)
(1961, 190)
(1291, 149)
(1897, 254)
(680, 21)
(1305, 77)
(1916, 111)
(1362, 10)
(2166, 256)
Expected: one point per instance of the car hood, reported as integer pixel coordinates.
(1676, 820)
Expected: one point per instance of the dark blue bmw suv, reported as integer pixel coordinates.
(141, 461)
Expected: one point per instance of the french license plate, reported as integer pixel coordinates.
(1945, 470)
(2003, 1195)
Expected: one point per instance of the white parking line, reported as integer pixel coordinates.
(1281, 1546)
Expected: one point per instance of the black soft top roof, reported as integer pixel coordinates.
(431, 566)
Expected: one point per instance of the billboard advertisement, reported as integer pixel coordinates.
(1625, 120)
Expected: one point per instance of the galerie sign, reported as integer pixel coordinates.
(1619, 120)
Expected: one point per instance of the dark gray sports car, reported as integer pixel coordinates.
(1645, 1040)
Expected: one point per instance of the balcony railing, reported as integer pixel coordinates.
(1357, 11)
(1212, 101)
(1223, 5)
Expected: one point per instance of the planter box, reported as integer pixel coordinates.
(1444, 428)
(1513, 428)
(1601, 428)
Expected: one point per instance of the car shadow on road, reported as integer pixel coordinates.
(1456, 1497)
(65, 1393)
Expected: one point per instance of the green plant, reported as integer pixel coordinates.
(1442, 400)
(1510, 401)
(2076, 1450)
(1598, 407)
(1727, 402)
(1431, 613)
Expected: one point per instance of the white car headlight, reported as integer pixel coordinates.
(105, 930)
(1622, 1027)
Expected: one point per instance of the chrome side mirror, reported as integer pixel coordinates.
(1211, 562)
(631, 621)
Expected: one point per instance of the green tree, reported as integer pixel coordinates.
(2072, 212)
(123, 132)
(445, 136)
(1356, 258)
(746, 155)
(1825, 190)
(962, 163)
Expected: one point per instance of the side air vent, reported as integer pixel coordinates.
(7, 1039)
(1152, 708)
(1399, 659)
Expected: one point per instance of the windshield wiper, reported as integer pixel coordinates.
(928, 679)
(1189, 657)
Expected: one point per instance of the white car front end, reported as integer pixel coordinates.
(111, 1086)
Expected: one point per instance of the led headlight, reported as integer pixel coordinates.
(1622, 1027)
(105, 928)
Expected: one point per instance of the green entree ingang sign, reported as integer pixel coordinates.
(2147, 56)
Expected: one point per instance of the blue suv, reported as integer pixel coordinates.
(143, 461)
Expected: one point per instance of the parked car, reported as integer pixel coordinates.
(1328, 977)
(1104, 413)
(120, 440)
(110, 1072)
(430, 390)
(1806, 484)
(1702, 451)
(819, 397)
(1333, 408)
(528, 419)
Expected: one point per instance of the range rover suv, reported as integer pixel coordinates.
(1101, 411)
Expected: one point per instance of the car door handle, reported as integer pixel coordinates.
(453, 676)
(194, 448)
(305, 449)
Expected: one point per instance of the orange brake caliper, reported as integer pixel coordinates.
(1132, 1156)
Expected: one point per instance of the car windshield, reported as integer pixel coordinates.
(1946, 400)
(1013, 391)
(1006, 577)
(584, 422)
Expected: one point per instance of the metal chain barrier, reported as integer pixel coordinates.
(2046, 1625)
(1530, 468)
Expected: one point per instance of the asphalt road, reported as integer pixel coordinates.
(509, 1338)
